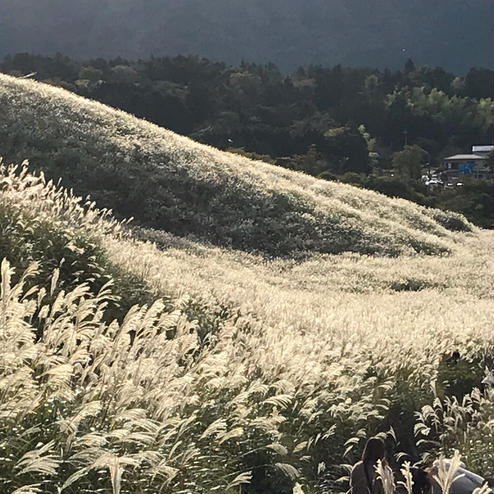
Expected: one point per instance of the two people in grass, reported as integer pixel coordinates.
(372, 475)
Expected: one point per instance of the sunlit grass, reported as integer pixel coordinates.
(306, 359)
(250, 366)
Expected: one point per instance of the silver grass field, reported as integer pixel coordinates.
(244, 363)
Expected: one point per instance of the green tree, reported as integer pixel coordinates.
(408, 162)
(347, 148)
(371, 146)
(90, 73)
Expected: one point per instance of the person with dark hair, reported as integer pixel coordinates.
(363, 479)
(421, 484)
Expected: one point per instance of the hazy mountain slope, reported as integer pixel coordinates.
(454, 34)
(173, 183)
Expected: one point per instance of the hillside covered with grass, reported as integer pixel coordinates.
(169, 182)
(145, 360)
(231, 373)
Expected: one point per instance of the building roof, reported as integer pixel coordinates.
(467, 157)
(482, 149)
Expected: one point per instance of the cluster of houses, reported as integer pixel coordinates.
(456, 168)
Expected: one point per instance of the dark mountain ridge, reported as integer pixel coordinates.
(456, 34)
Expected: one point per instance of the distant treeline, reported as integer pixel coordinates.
(336, 123)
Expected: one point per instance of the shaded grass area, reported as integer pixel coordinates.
(171, 183)
(68, 257)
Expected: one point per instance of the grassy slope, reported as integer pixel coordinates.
(300, 358)
(284, 361)
(169, 182)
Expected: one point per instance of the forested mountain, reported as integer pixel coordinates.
(339, 123)
(456, 34)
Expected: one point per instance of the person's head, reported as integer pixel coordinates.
(421, 484)
(374, 450)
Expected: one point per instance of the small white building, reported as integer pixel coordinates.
(482, 150)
